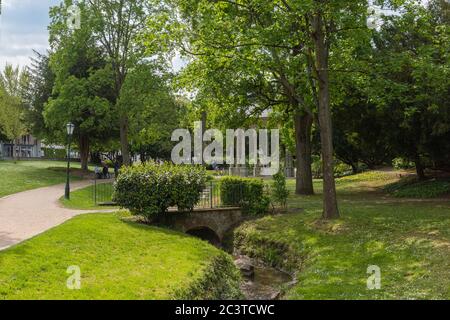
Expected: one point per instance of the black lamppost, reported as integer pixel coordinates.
(70, 127)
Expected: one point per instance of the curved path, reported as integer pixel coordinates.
(26, 214)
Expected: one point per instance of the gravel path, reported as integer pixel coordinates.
(26, 214)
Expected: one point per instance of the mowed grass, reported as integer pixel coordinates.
(83, 199)
(25, 175)
(117, 260)
(408, 239)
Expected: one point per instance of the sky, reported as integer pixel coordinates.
(23, 27)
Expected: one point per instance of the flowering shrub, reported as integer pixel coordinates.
(149, 189)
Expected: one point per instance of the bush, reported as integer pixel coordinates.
(340, 169)
(51, 153)
(401, 163)
(279, 189)
(150, 189)
(245, 192)
(220, 280)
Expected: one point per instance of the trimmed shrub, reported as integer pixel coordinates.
(244, 192)
(279, 190)
(150, 189)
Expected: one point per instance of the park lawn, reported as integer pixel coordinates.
(26, 175)
(408, 239)
(117, 260)
(83, 199)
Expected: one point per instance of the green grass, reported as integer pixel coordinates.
(83, 199)
(117, 260)
(409, 241)
(411, 188)
(25, 175)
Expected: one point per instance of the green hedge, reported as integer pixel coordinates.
(245, 192)
(150, 189)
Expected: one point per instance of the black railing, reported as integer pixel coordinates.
(103, 191)
(210, 197)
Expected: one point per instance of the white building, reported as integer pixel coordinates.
(25, 147)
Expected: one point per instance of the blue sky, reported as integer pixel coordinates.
(23, 27)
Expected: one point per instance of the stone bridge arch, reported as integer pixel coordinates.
(205, 233)
(207, 224)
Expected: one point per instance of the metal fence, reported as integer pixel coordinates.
(103, 191)
(210, 197)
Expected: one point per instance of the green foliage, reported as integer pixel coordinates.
(279, 191)
(411, 188)
(149, 189)
(52, 153)
(42, 80)
(410, 82)
(13, 83)
(402, 163)
(245, 192)
(340, 169)
(220, 280)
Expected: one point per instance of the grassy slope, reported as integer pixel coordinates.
(118, 260)
(408, 240)
(26, 175)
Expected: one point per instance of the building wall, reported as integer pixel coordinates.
(25, 147)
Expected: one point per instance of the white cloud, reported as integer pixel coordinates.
(23, 27)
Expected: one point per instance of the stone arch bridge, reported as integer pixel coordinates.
(207, 224)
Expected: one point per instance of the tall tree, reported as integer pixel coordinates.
(284, 49)
(247, 60)
(117, 26)
(83, 91)
(42, 80)
(13, 86)
(411, 82)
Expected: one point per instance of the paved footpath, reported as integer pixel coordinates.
(26, 214)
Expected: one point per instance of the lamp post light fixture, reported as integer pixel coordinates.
(70, 127)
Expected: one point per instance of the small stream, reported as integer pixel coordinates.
(261, 282)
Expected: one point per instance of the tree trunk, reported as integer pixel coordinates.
(330, 207)
(304, 181)
(14, 146)
(355, 168)
(420, 170)
(84, 152)
(95, 157)
(124, 140)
